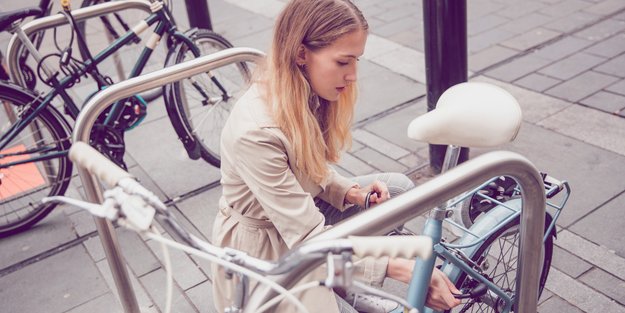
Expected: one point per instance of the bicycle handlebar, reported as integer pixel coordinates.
(97, 164)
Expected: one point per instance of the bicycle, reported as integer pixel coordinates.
(35, 135)
(494, 238)
(113, 24)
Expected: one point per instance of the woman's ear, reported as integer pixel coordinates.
(300, 59)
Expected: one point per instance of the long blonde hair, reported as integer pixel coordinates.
(315, 24)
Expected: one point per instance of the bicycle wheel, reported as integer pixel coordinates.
(200, 102)
(497, 256)
(111, 27)
(23, 185)
(501, 189)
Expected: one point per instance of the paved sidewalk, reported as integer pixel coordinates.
(564, 60)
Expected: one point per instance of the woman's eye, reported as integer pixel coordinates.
(341, 63)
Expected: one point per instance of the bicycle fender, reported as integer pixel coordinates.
(182, 131)
(484, 225)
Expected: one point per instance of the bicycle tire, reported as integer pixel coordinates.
(22, 186)
(206, 120)
(507, 234)
(156, 59)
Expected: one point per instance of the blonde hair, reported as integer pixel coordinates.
(315, 24)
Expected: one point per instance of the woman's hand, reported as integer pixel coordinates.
(357, 195)
(440, 291)
(440, 295)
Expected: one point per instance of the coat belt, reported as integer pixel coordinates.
(247, 221)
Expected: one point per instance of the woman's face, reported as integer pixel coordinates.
(332, 68)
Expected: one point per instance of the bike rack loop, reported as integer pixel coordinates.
(383, 218)
(124, 89)
(57, 20)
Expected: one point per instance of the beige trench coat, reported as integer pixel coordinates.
(267, 205)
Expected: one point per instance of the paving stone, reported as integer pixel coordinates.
(606, 284)
(569, 263)
(551, 153)
(51, 232)
(94, 247)
(136, 253)
(610, 47)
(185, 272)
(581, 86)
(572, 66)
(83, 223)
(416, 160)
(606, 7)
(518, 9)
(605, 101)
(158, 151)
(399, 25)
(580, 295)
(45, 284)
(614, 67)
(380, 162)
(537, 82)
(482, 9)
(155, 285)
(381, 90)
(530, 39)
(562, 48)
(356, 146)
(526, 23)
(600, 256)
(572, 22)
(485, 23)
(565, 8)
(202, 297)
(617, 88)
(410, 39)
(407, 62)
(612, 220)
(601, 30)
(394, 126)
(486, 39)
(354, 165)
(102, 304)
(396, 13)
(518, 67)
(557, 305)
(374, 142)
(201, 210)
(489, 56)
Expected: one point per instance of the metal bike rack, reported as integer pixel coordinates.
(386, 216)
(57, 20)
(125, 89)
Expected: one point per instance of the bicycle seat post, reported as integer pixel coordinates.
(16, 29)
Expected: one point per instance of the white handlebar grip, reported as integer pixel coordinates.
(97, 164)
(392, 246)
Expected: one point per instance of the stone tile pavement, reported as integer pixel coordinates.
(564, 60)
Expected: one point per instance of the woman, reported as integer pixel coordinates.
(278, 188)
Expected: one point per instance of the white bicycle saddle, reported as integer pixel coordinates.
(470, 115)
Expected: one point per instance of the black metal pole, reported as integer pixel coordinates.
(445, 30)
(198, 13)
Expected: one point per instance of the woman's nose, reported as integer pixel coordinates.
(351, 77)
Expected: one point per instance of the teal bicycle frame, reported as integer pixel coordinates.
(453, 254)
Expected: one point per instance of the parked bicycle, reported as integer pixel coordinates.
(35, 135)
(483, 263)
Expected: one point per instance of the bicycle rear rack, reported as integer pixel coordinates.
(87, 117)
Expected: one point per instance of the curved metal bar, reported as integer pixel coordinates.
(384, 217)
(52, 21)
(124, 89)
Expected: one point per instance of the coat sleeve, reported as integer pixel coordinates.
(263, 165)
(335, 189)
